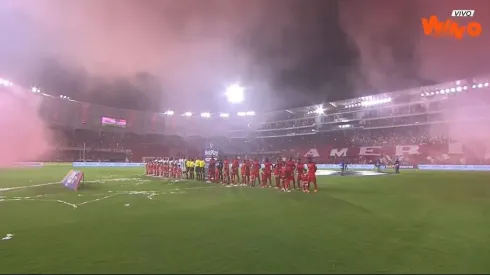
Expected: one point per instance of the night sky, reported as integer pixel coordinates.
(154, 55)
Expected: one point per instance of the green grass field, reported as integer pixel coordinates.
(123, 222)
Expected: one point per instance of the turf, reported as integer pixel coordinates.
(416, 222)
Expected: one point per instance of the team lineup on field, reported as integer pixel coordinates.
(288, 175)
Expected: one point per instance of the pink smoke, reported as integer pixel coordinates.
(24, 136)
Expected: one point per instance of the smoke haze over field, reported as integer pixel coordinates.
(158, 54)
(283, 50)
(394, 53)
(24, 135)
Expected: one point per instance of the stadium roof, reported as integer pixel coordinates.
(364, 101)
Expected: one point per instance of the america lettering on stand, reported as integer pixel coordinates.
(424, 150)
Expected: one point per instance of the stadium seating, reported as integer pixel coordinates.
(424, 116)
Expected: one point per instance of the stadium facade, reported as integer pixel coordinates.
(430, 110)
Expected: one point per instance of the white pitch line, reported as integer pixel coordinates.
(99, 199)
(31, 199)
(199, 187)
(67, 203)
(28, 186)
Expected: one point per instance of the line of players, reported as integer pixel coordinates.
(227, 172)
(165, 167)
(252, 171)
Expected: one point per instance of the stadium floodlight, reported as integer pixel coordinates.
(459, 89)
(169, 113)
(486, 84)
(480, 85)
(474, 86)
(224, 115)
(465, 88)
(241, 114)
(205, 115)
(35, 90)
(319, 110)
(187, 114)
(235, 93)
(6, 82)
(250, 113)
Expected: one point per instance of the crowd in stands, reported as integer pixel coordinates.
(292, 134)
(85, 145)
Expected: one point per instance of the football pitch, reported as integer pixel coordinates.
(124, 222)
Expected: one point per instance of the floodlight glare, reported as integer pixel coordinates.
(169, 113)
(224, 115)
(234, 93)
(205, 115)
(319, 110)
(5, 82)
(250, 113)
(187, 114)
(241, 114)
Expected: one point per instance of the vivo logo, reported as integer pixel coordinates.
(432, 26)
(463, 13)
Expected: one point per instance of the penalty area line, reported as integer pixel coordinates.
(99, 199)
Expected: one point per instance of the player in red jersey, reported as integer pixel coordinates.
(264, 178)
(290, 165)
(285, 177)
(176, 171)
(277, 173)
(235, 178)
(152, 165)
(267, 172)
(226, 169)
(248, 165)
(212, 169)
(300, 166)
(171, 170)
(243, 168)
(311, 174)
(160, 169)
(165, 168)
(303, 175)
(256, 171)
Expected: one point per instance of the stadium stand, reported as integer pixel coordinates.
(425, 117)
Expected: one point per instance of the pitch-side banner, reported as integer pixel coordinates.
(72, 180)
